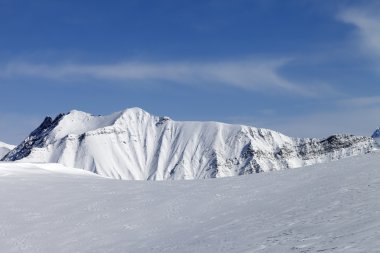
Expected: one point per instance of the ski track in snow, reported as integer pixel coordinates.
(333, 207)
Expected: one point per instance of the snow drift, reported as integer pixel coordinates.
(132, 144)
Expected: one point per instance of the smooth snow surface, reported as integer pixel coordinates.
(5, 148)
(135, 145)
(333, 207)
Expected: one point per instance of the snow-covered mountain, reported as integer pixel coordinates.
(5, 148)
(376, 135)
(132, 144)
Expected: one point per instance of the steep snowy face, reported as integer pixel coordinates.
(376, 135)
(133, 144)
(5, 148)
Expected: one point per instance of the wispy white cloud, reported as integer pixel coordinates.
(361, 101)
(367, 21)
(246, 74)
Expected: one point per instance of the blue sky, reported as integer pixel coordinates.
(301, 67)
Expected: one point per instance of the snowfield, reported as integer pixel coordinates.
(333, 207)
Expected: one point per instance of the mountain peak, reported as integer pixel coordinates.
(78, 122)
(3, 144)
(376, 134)
(135, 110)
(75, 112)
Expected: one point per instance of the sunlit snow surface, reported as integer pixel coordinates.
(332, 207)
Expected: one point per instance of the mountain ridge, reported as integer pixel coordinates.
(133, 144)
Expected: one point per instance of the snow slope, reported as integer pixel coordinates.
(132, 144)
(331, 207)
(5, 148)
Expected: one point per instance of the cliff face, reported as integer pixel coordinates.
(133, 144)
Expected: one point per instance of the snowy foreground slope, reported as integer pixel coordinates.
(332, 207)
(5, 148)
(132, 144)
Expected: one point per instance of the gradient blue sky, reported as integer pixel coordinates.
(302, 67)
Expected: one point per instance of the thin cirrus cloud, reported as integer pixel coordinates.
(245, 74)
(361, 102)
(366, 19)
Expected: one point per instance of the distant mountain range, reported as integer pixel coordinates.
(132, 144)
(5, 148)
